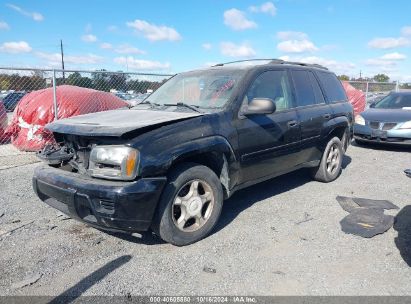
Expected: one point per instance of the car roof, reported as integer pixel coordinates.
(251, 64)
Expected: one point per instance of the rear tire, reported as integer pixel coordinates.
(190, 205)
(330, 164)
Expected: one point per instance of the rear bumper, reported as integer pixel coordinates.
(393, 136)
(112, 205)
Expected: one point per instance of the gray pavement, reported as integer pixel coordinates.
(262, 245)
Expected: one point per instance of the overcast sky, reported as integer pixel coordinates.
(173, 36)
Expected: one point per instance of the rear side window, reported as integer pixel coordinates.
(319, 97)
(333, 88)
(303, 88)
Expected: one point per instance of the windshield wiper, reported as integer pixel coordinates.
(148, 102)
(182, 104)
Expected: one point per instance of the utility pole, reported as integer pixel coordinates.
(62, 59)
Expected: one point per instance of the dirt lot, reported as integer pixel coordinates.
(262, 245)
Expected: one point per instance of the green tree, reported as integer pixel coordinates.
(381, 78)
(118, 81)
(76, 79)
(101, 80)
(344, 78)
(406, 86)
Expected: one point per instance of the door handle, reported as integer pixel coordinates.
(327, 116)
(292, 123)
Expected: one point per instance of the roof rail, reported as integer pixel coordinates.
(314, 65)
(274, 61)
(269, 60)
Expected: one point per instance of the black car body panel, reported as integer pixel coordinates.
(115, 122)
(114, 205)
(241, 149)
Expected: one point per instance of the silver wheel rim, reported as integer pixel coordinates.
(193, 205)
(333, 159)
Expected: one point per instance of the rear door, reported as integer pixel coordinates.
(313, 112)
(269, 144)
(336, 97)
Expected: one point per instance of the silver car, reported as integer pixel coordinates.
(387, 121)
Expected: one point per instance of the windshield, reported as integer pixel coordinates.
(203, 89)
(394, 101)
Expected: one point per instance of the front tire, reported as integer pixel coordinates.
(330, 164)
(190, 205)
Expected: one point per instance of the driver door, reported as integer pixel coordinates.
(269, 143)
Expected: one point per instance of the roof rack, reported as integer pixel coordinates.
(274, 61)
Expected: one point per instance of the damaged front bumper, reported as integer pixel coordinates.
(111, 205)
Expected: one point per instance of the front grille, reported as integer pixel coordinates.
(107, 205)
(374, 124)
(388, 126)
(385, 126)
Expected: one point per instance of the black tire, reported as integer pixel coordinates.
(164, 223)
(322, 172)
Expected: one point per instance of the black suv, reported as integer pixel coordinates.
(168, 163)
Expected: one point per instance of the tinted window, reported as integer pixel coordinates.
(273, 85)
(319, 97)
(332, 87)
(303, 88)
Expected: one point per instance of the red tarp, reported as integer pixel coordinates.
(355, 97)
(36, 109)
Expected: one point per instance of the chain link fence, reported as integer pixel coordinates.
(29, 99)
(375, 91)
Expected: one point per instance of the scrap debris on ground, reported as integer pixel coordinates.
(366, 216)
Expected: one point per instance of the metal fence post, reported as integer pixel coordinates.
(55, 95)
(397, 86)
(366, 92)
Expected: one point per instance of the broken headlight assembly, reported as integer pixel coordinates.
(114, 162)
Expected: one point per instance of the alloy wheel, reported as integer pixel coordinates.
(193, 205)
(333, 159)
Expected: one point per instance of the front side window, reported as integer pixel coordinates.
(274, 85)
(333, 88)
(204, 89)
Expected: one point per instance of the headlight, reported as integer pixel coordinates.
(359, 120)
(406, 125)
(114, 162)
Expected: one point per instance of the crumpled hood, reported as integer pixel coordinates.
(115, 122)
(387, 115)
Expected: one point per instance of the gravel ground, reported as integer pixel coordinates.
(262, 245)
(11, 157)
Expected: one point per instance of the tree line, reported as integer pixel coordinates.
(98, 81)
(375, 78)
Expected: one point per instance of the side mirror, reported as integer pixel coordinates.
(260, 106)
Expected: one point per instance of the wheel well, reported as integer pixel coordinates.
(341, 133)
(216, 161)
